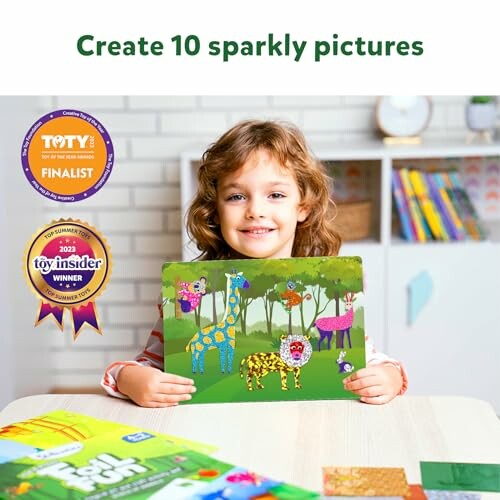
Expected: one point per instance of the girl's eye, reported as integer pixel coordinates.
(235, 197)
(277, 195)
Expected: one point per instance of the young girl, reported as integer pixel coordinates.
(261, 195)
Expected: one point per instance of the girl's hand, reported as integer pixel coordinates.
(150, 387)
(375, 384)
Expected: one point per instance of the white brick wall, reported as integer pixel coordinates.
(138, 209)
(157, 197)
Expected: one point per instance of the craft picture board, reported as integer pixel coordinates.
(138, 465)
(460, 476)
(388, 482)
(294, 327)
(60, 427)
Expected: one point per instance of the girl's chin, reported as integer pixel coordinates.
(260, 249)
(253, 253)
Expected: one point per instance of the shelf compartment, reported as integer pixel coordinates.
(356, 188)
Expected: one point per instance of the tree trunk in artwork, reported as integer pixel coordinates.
(197, 313)
(266, 311)
(338, 340)
(178, 312)
(214, 308)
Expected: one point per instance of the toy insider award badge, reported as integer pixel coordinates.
(68, 264)
(67, 155)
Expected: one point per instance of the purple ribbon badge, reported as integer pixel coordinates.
(67, 265)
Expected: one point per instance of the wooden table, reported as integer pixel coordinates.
(291, 441)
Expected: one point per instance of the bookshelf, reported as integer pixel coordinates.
(453, 344)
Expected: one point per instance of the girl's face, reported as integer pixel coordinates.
(258, 208)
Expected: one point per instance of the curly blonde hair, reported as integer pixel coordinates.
(315, 236)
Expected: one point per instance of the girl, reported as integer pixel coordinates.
(261, 195)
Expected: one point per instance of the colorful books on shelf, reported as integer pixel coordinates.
(468, 212)
(435, 206)
(449, 217)
(420, 228)
(427, 206)
(408, 230)
(120, 461)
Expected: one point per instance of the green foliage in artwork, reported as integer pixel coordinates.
(179, 328)
(321, 285)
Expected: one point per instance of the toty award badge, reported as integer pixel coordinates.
(67, 265)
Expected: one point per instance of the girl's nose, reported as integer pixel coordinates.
(255, 209)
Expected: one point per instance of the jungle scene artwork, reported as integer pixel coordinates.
(264, 329)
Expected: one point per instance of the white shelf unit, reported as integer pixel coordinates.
(453, 346)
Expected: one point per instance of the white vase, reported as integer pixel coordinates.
(480, 116)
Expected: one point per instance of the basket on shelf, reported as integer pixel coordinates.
(353, 220)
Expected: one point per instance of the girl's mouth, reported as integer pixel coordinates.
(257, 230)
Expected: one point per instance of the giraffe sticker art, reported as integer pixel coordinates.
(222, 335)
(261, 329)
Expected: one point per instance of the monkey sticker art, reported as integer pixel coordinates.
(264, 329)
(190, 294)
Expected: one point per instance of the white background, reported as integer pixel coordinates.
(39, 56)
